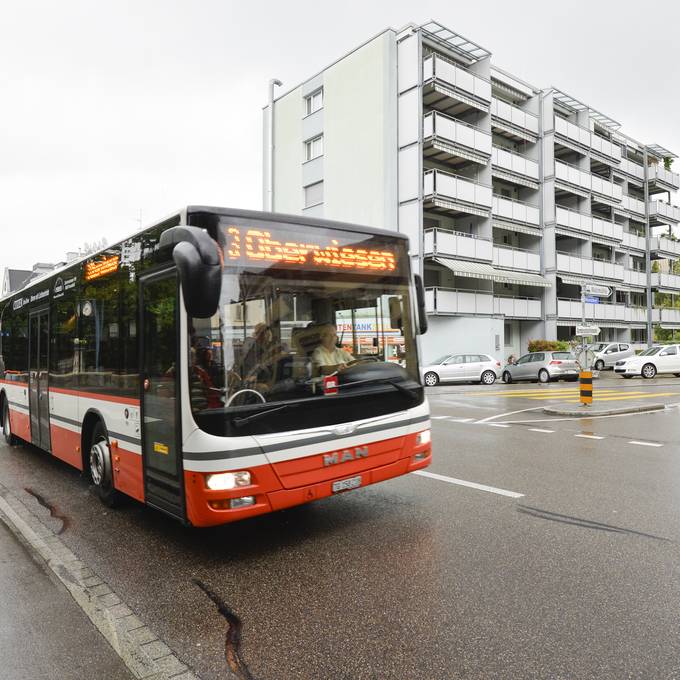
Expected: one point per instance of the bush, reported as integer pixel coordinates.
(549, 346)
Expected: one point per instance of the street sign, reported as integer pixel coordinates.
(592, 300)
(600, 291)
(587, 331)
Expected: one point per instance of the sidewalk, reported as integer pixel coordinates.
(43, 633)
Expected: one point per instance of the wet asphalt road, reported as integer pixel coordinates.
(418, 577)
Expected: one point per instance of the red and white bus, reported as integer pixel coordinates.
(182, 367)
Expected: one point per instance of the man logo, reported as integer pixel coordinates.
(345, 455)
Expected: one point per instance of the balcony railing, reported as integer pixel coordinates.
(458, 301)
(664, 212)
(515, 119)
(636, 314)
(606, 149)
(516, 258)
(586, 266)
(457, 244)
(517, 307)
(593, 226)
(666, 281)
(510, 210)
(456, 133)
(658, 174)
(570, 174)
(633, 169)
(585, 139)
(606, 188)
(572, 309)
(633, 205)
(631, 240)
(663, 244)
(633, 277)
(463, 85)
(668, 315)
(457, 193)
(514, 163)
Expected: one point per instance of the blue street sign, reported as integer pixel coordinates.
(592, 300)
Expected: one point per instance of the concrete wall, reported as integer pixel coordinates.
(288, 153)
(461, 334)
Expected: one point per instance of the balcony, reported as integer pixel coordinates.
(572, 309)
(452, 193)
(634, 170)
(671, 316)
(570, 178)
(636, 314)
(445, 137)
(636, 278)
(513, 122)
(589, 267)
(517, 307)
(572, 135)
(634, 241)
(605, 150)
(665, 247)
(594, 227)
(515, 212)
(669, 282)
(442, 77)
(633, 205)
(661, 179)
(456, 244)
(606, 190)
(453, 301)
(516, 258)
(663, 213)
(514, 167)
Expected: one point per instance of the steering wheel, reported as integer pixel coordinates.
(363, 360)
(246, 390)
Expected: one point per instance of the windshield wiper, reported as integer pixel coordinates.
(240, 422)
(389, 381)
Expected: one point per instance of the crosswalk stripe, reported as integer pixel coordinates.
(645, 443)
(539, 429)
(588, 436)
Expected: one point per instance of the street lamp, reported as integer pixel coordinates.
(274, 82)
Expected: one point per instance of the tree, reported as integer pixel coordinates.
(667, 162)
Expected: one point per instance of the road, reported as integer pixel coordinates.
(561, 563)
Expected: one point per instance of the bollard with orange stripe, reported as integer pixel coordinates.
(586, 385)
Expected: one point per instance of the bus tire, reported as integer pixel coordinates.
(101, 467)
(10, 439)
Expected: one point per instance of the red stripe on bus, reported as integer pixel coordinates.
(96, 395)
(13, 382)
(66, 445)
(128, 475)
(20, 423)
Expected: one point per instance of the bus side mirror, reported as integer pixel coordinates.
(420, 299)
(199, 264)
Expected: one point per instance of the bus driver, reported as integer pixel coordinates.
(327, 358)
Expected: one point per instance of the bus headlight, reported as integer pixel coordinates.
(223, 481)
(423, 437)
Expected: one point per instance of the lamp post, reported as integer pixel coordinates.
(274, 82)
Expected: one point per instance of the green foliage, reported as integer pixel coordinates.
(662, 334)
(548, 346)
(667, 162)
(655, 267)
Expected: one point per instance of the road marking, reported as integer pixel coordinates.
(471, 485)
(437, 417)
(641, 395)
(644, 443)
(496, 425)
(538, 429)
(460, 420)
(509, 413)
(588, 436)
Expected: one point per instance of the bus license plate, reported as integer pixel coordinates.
(347, 484)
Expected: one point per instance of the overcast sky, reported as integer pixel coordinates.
(109, 108)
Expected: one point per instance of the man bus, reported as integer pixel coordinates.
(176, 366)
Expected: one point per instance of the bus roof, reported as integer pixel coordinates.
(227, 212)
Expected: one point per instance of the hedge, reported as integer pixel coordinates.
(549, 346)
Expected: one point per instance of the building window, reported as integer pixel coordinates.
(314, 102)
(507, 333)
(314, 148)
(313, 194)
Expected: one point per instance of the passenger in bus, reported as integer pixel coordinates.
(327, 357)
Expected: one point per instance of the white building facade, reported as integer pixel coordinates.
(512, 196)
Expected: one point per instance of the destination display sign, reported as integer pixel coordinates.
(310, 250)
(98, 268)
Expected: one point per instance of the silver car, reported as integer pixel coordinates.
(542, 366)
(608, 353)
(462, 368)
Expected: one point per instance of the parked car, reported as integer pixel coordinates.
(657, 359)
(462, 368)
(542, 366)
(607, 354)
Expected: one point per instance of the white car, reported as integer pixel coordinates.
(608, 353)
(462, 368)
(657, 359)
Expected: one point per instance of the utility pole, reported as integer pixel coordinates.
(270, 180)
(648, 246)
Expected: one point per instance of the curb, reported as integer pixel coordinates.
(145, 656)
(590, 413)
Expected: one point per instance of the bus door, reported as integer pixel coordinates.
(39, 342)
(160, 363)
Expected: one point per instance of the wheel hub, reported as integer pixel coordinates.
(98, 454)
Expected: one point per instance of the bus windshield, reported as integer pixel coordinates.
(296, 307)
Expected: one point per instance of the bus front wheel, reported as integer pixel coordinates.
(101, 468)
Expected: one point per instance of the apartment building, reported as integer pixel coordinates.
(513, 196)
